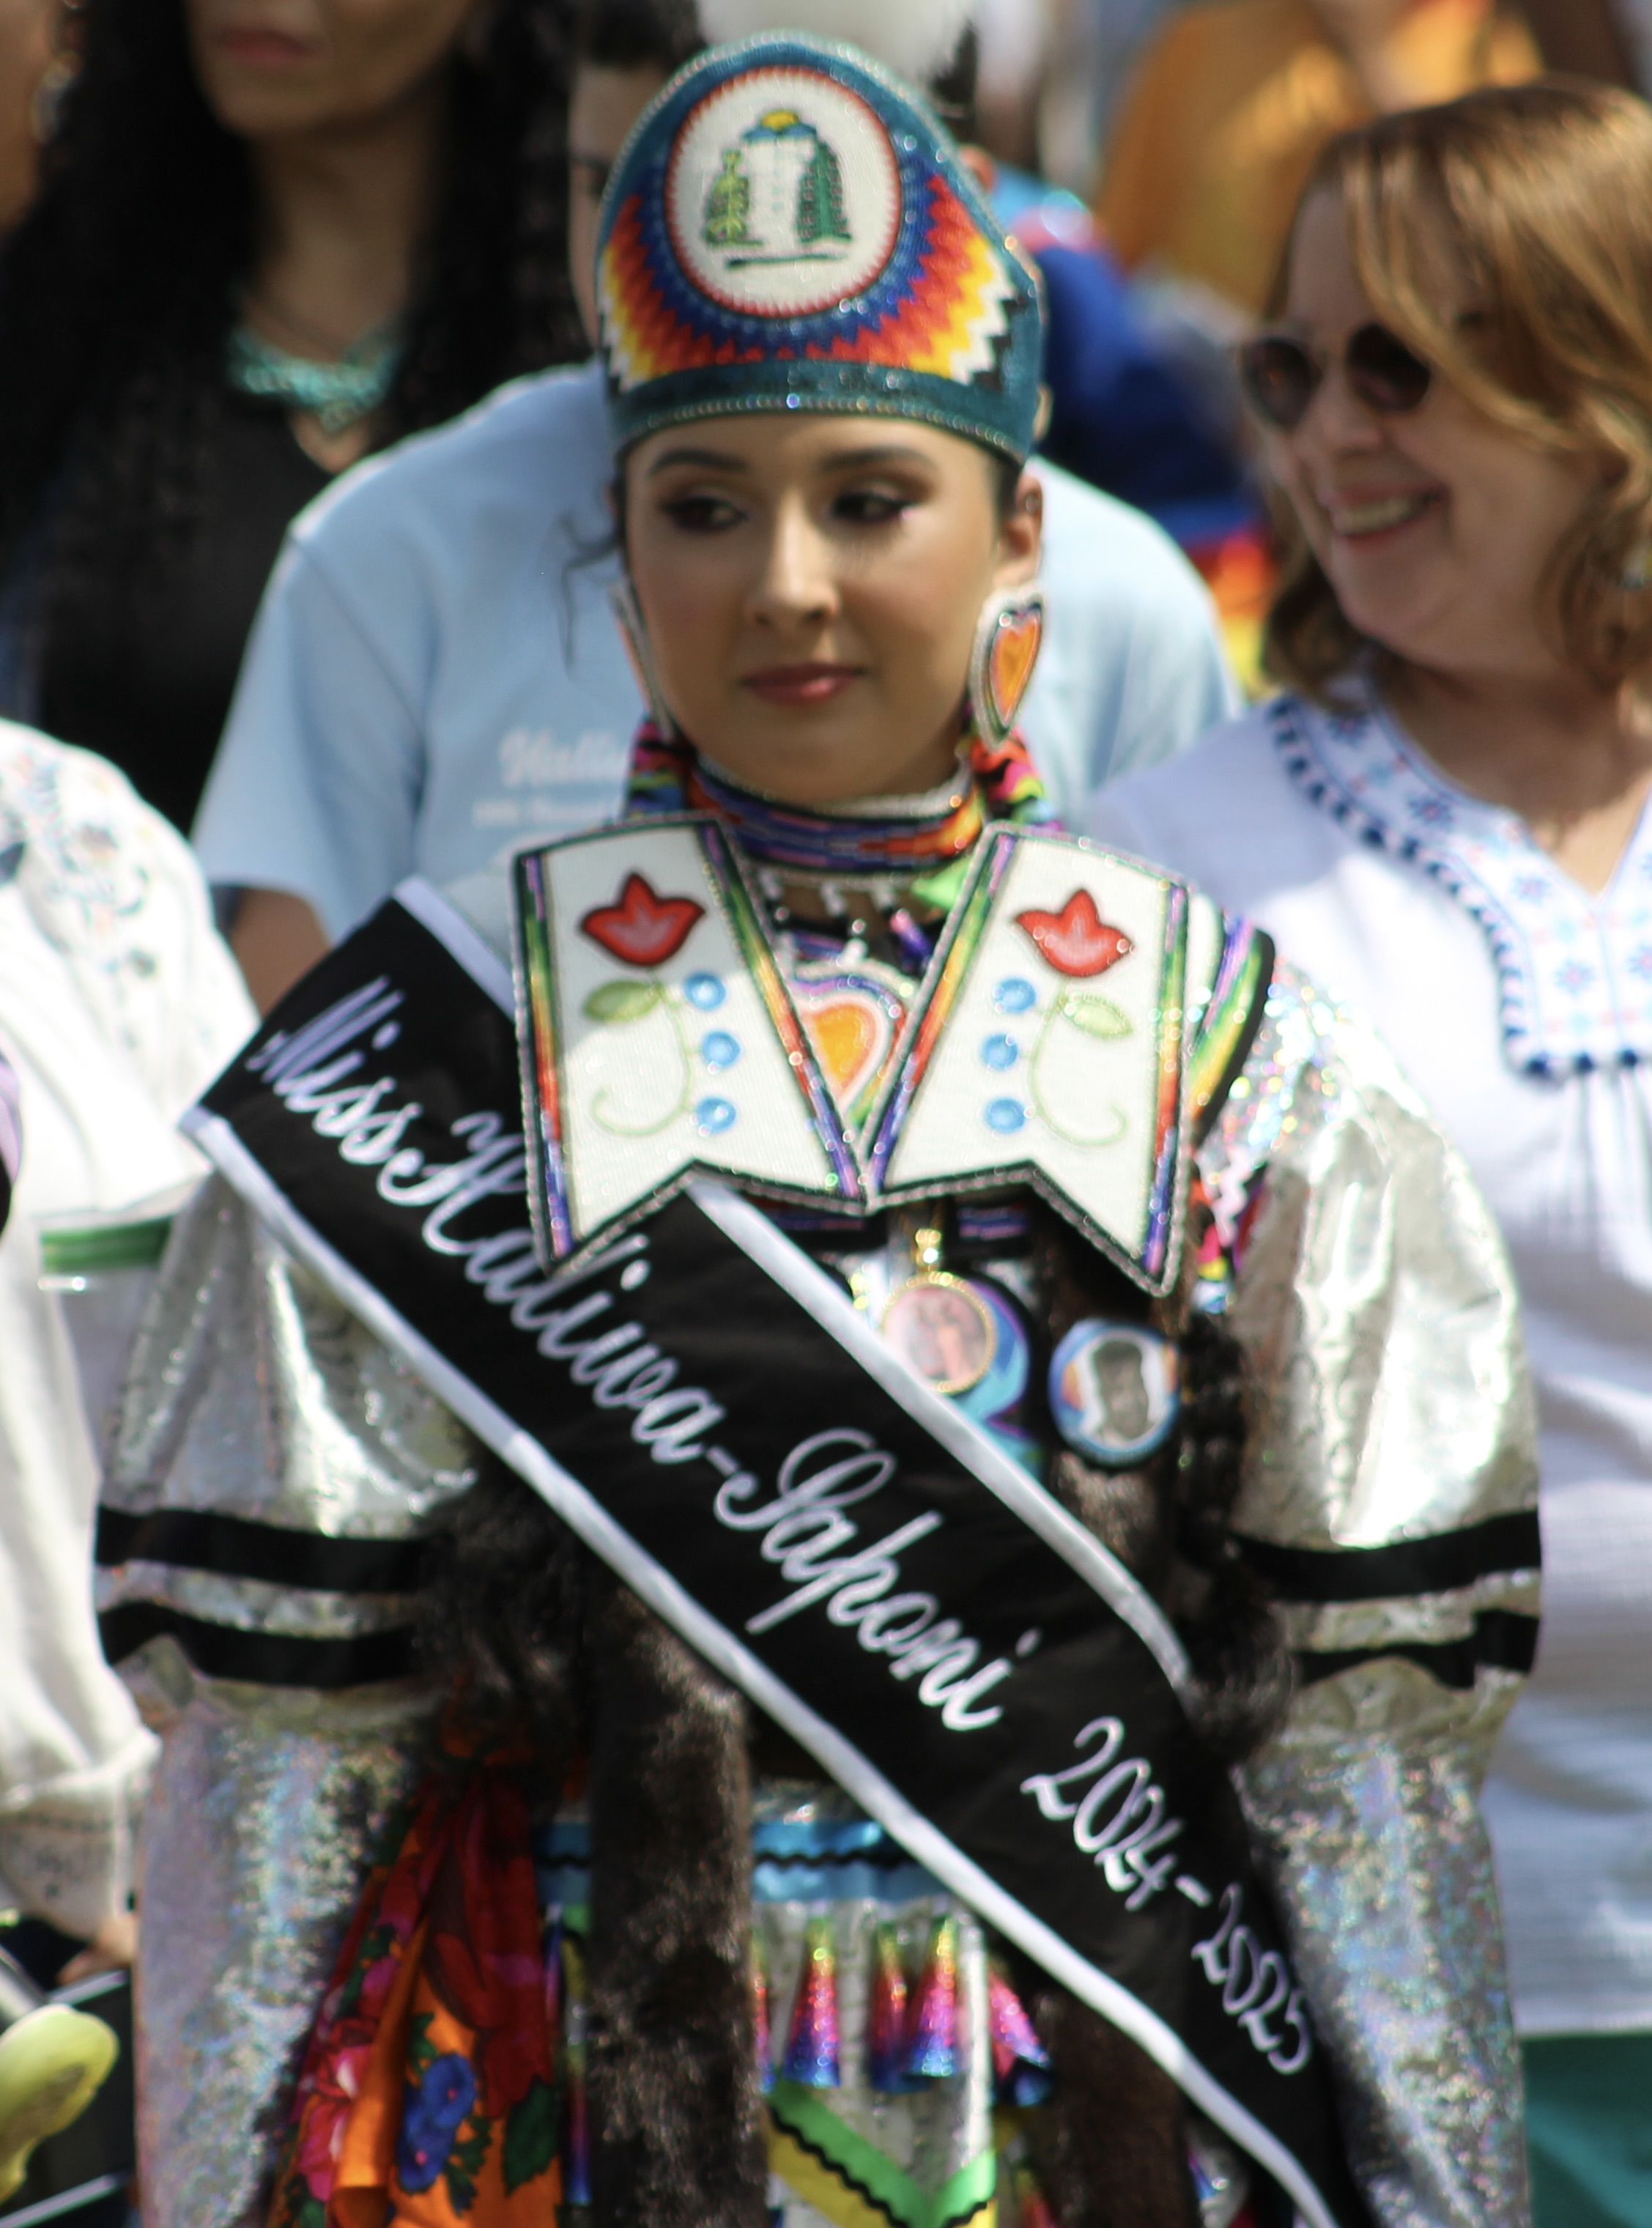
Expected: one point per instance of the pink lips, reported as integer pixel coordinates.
(256, 48)
(801, 685)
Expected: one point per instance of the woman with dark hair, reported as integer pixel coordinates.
(1447, 808)
(271, 235)
(865, 1686)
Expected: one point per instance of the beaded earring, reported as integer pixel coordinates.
(1008, 639)
(628, 616)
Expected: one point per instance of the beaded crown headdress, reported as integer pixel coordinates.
(790, 227)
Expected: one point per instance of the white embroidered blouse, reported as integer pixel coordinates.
(117, 1005)
(1522, 1008)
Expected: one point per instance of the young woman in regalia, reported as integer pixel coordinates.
(766, 1757)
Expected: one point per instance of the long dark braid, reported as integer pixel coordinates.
(1171, 1522)
(1228, 1623)
(503, 1615)
(119, 289)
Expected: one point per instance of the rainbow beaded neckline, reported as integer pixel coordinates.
(921, 843)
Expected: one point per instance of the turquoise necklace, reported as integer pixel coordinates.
(338, 395)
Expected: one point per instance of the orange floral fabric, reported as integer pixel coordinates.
(426, 2099)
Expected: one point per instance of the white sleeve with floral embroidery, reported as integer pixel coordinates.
(117, 1004)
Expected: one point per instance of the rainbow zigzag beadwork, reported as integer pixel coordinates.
(790, 227)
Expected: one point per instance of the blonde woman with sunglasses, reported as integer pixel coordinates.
(1445, 813)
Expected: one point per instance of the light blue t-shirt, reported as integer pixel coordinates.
(435, 678)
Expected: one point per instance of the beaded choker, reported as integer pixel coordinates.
(338, 394)
(921, 843)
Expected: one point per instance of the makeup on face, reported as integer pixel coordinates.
(812, 682)
(810, 588)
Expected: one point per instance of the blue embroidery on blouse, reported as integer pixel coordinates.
(1574, 973)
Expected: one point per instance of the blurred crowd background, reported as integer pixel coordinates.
(1148, 154)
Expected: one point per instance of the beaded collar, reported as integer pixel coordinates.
(1574, 972)
(919, 847)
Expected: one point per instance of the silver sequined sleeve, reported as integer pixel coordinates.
(264, 1431)
(1391, 1501)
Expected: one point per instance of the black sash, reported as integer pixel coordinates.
(705, 1409)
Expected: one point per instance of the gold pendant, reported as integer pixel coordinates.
(939, 1323)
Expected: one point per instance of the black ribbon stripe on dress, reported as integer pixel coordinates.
(1439, 1563)
(273, 1554)
(1442, 1563)
(277, 1554)
(707, 1412)
(1498, 1640)
(261, 1659)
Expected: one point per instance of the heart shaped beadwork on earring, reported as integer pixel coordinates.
(1008, 637)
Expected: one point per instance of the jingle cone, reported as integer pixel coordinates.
(812, 2052)
(1021, 2064)
(885, 2039)
(760, 2017)
(932, 2035)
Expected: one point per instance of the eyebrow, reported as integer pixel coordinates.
(852, 460)
(887, 453)
(716, 460)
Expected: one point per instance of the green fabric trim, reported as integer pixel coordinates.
(99, 1247)
(805, 2116)
(969, 2189)
(943, 888)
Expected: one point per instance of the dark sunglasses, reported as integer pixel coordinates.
(1281, 376)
